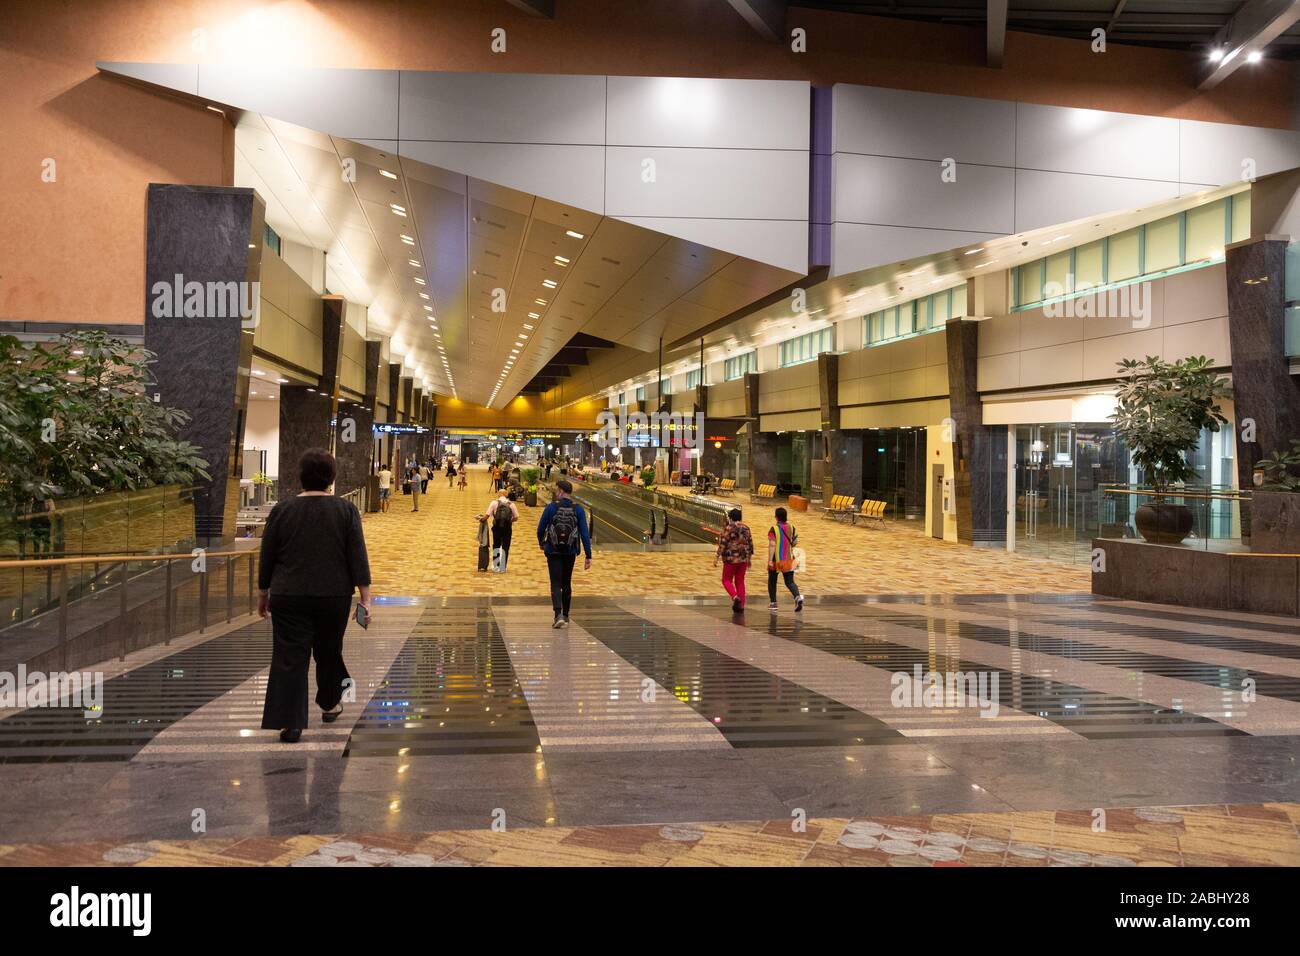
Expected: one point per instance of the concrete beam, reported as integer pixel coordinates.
(1252, 28)
(767, 17)
(535, 8)
(996, 32)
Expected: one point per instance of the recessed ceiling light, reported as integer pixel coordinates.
(424, 295)
(1254, 56)
(526, 325)
(561, 261)
(384, 172)
(532, 315)
(407, 239)
(414, 263)
(575, 235)
(549, 283)
(540, 301)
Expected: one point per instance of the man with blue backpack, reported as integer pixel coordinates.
(561, 532)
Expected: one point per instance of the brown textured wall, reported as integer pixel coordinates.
(74, 250)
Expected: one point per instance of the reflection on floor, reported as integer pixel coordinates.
(670, 720)
(1242, 835)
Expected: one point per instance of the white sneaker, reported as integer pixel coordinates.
(558, 622)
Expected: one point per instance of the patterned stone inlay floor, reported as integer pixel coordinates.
(1215, 835)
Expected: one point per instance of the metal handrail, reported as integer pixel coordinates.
(118, 558)
(64, 601)
(1151, 492)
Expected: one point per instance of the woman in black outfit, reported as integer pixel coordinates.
(313, 555)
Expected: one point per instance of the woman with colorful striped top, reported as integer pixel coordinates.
(781, 539)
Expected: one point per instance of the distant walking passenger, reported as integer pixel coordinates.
(781, 540)
(413, 481)
(736, 549)
(385, 488)
(313, 556)
(560, 532)
(451, 470)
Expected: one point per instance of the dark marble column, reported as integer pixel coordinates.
(355, 431)
(394, 386)
(304, 424)
(843, 453)
(979, 450)
(1263, 389)
(333, 320)
(408, 393)
(210, 235)
(762, 448)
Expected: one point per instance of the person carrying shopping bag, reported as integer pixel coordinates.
(781, 542)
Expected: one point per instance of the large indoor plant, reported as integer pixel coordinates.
(1162, 408)
(76, 419)
(531, 476)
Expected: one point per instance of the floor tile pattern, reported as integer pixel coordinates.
(1212, 835)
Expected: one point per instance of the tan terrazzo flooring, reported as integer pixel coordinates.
(435, 552)
(1216, 835)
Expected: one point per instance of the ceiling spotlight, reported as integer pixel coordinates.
(1254, 56)
(575, 235)
(384, 172)
(1216, 54)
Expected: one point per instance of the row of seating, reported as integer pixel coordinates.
(726, 486)
(841, 508)
(763, 493)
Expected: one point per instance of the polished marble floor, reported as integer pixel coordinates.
(473, 715)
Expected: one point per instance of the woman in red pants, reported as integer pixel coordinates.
(736, 549)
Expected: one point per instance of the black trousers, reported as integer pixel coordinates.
(789, 582)
(501, 539)
(300, 628)
(561, 568)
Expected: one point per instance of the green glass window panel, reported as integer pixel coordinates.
(1241, 216)
(1031, 283)
(1057, 282)
(1089, 265)
(1206, 231)
(1123, 256)
(1163, 245)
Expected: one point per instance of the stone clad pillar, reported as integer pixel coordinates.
(979, 450)
(1263, 390)
(762, 448)
(205, 239)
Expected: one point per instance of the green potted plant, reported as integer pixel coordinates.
(531, 476)
(648, 477)
(1161, 409)
(1273, 524)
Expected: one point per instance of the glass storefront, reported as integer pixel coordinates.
(795, 452)
(1075, 481)
(893, 469)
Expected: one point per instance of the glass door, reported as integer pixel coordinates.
(1047, 516)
